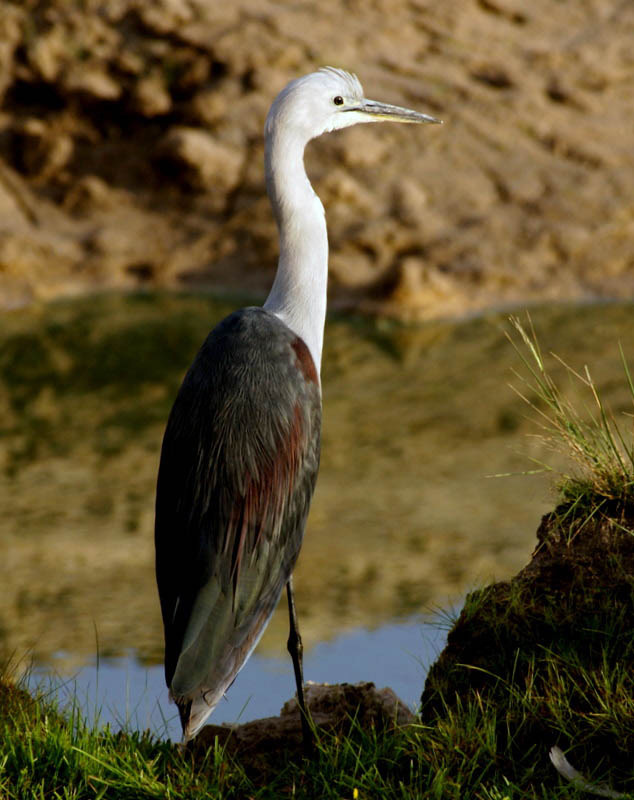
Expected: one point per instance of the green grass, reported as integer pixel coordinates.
(543, 670)
(592, 438)
(46, 754)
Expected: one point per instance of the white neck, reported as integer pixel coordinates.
(298, 295)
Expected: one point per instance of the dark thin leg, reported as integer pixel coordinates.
(296, 649)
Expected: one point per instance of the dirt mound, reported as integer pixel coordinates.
(334, 709)
(553, 649)
(131, 152)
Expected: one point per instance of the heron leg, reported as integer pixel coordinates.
(296, 649)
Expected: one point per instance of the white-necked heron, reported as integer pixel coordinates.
(241, 449)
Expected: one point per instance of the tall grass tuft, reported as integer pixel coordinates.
(594, 440)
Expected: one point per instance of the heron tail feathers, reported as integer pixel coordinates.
(194, 711)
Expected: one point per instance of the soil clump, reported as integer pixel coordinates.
(552, 650)
(335, 710)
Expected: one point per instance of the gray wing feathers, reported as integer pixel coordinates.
(238, 467)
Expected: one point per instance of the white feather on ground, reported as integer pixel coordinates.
(566, 770)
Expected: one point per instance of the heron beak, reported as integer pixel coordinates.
(384, 112)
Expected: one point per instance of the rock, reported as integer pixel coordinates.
(209, 106)
(204, 163)
(89, 194)
(411, 201)
(10, 27)
(151, 97)
(48, 53)
(92, 81)
(129, 62)
(164, 16)
(335, 707)
(418, 285)
(39, 151)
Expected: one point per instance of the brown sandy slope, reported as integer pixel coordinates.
(131, 153)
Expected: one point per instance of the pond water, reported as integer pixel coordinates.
(410, 511)
(126, 694)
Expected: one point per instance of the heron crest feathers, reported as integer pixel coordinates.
(350, 80)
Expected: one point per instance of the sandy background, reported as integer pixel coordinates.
(131, 152)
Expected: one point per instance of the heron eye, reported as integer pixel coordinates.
(338, 100)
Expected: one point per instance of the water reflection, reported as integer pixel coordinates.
(405, 516)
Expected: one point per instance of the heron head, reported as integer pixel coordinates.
(330, 99)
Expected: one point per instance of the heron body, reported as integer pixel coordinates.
(241, 527)
(240, 453)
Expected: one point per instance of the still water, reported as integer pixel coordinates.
(127, 695)
(410, 511)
